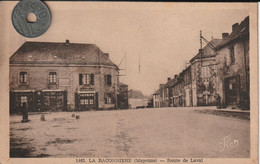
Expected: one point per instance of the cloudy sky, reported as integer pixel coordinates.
(164, 35)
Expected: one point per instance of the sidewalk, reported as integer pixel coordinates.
(227, 112)
(228, 109)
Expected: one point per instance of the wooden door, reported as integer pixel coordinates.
(232, 90)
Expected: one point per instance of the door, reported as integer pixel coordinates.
(232, 90)
(187, 97)
(54, 100)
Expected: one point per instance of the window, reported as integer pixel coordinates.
(86, 79)
(108, 98)
(205, 72)
(23, 99)
(232, 55)
(91, 101)
(108, 80)
(86, 98)
(53, 77)
(23, 77)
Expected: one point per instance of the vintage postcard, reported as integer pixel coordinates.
(128, 82)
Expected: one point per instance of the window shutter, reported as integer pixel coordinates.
(105, 97)
(105, 79)
(80, 79)
(92, 79)
(109, 82)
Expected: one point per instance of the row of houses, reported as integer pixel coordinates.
(217, 75)
(51, 76)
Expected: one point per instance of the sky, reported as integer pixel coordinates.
(164, 35)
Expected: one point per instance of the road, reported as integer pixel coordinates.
(163, 132)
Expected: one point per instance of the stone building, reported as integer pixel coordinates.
(163, 95)
(187, 91)
(203, 75)
(177, 91)
(51, 76)
(233, 67)
(156, 99)
(122, 96)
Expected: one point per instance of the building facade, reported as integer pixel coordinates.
(178, 91)
(62, 76)
(203, 75)
(187, 89)
(233, 68)
(123, 96)
(163, 95)
(156, 99)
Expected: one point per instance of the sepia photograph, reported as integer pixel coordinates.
(129, 82)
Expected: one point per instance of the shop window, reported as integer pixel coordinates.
(91, 101)
(23, 77)
(86, 98)
(53, 77)
(23, 99)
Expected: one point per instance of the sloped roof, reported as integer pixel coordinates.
(206, 50)
(171, 82)
(242, 30)
(157, 92)
(60, 53)
(122, 84)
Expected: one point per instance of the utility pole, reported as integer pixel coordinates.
(200, 39)
(139, 67)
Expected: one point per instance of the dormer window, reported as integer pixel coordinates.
(55, 57)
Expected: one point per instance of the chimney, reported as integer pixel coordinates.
(106, 54)
(67, 42)
(160, 86)
(234, 26)
(175, 76)
(168, 79)
(224, 35)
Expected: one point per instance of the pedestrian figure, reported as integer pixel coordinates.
(218, 101)
(24, 112)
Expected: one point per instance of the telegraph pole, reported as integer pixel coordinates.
(139, 67)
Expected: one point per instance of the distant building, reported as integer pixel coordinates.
(178, 91)
(203, 75)
(163, 95)
(62, 76)
(187, 88)
(233, 67)
(135, 103)
(156, 99)
(123, 96)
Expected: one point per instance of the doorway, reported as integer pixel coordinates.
(232, 85)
